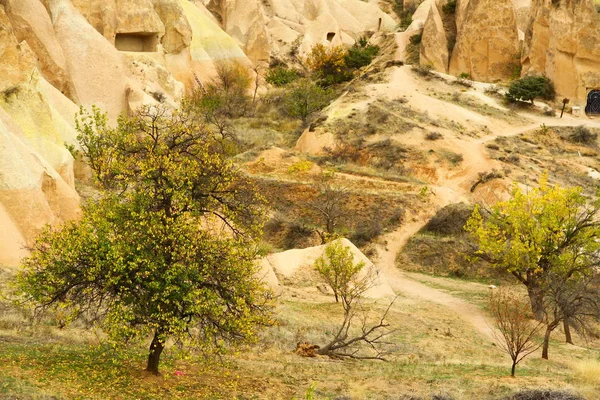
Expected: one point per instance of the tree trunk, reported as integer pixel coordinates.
(567, 329)
(546, 342)
(536, 297)
(156, 348)
(512, 370)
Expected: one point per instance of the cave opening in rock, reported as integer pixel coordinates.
(593, 102)
(330, 36)
(138, 42)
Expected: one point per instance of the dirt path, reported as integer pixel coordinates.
(453, 189)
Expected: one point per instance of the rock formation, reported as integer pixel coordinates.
(297, 266)
(487, 43)
(285, 24)
(434, 44)
(58, 55)
(563, 42)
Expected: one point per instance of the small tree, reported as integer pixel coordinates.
(349, 282)
(339, 271)
(147, 258)
(515, 331)
(304, 98)
(530, 88)
(229, 90)
(329, 64)
(329, 205)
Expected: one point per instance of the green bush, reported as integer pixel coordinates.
(361, 54)
(281, 76)
(449, 7)
(530, 88)
(305, 98)
(328, 64)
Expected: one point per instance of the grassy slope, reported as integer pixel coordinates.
(434, 352)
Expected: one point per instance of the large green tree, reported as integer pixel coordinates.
(168, 248)
(539, 234)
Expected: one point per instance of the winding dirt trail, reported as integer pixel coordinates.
(453, 189)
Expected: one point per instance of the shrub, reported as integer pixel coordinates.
(329, 64)
(549, 112)
(492, 89)
(305, 98)
(530, 88)
(514, 331)
(227, 94)
(281, 76)
(433, 136)
(361, 54)
(543, 394)
(581, 134)
(449, 220)
(449, 7)
(416, 39)
(452, 157)
(423, 70)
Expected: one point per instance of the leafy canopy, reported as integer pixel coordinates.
(545, 227)
(531, 87)
(168, 248)
(337, 267)
(539, 234)
(304, 98)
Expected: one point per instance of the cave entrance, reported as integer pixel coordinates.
(138, 42)
(593, 102)
(330, 36)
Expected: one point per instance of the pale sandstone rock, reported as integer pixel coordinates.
(244, 21)
(100, 14)
(18, 61)
(266, 274)
(32, 23)
(32, 193)
(178, 32)
(209, 44)
(523, 12)
(95, 65)
(12, 243)
(562, 42)
(460, 13)
(487, 44)
(310, 21)
(434, 44)
(297, 264)
(137, 16)
(44, 128)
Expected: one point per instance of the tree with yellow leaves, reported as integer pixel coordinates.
(168, 249)
(541, 236)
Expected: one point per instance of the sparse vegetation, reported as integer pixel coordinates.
(305, 98)
(583, 135)
(281, 76)
(423, 70)
(433, 136)
(516, 333)
(449, 7)
(349, 282)
(360, 54)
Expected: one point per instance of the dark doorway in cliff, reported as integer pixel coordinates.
(593, 102)
(139, 42)
(330, 36)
